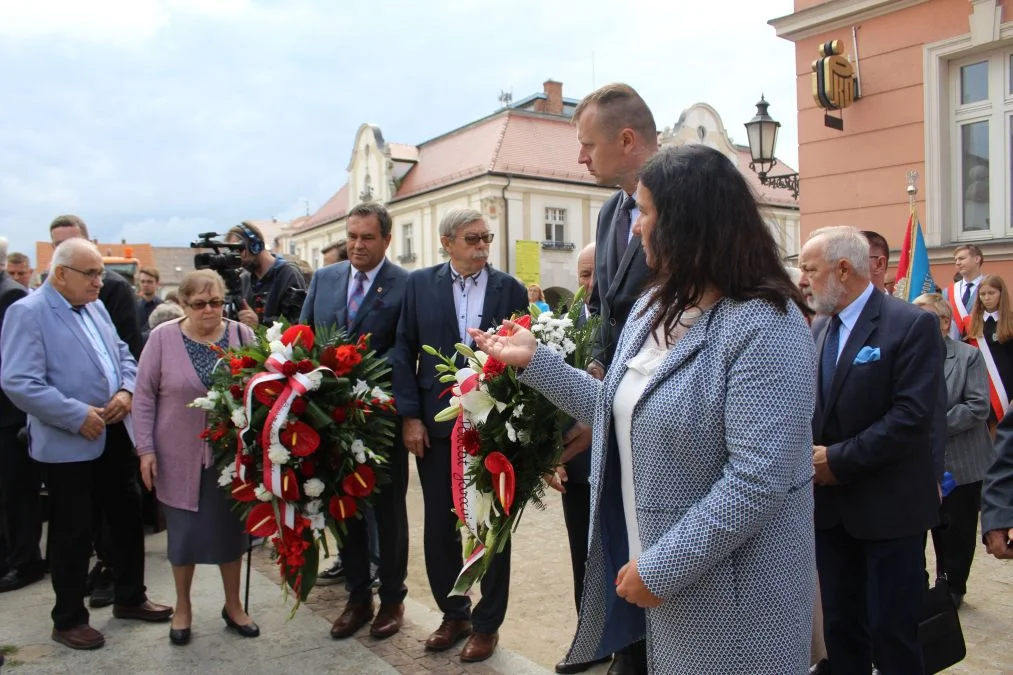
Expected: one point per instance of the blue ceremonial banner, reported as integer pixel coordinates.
(913, 274)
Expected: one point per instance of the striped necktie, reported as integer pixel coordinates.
(358, 293)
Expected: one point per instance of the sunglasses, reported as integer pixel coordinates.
(473, 238)
(201, 304)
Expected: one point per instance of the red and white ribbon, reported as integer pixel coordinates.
(996, 390)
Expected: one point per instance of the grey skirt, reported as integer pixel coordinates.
(211, 535)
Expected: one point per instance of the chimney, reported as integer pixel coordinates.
(554, 95)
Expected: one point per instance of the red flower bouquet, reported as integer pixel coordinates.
(300, 425)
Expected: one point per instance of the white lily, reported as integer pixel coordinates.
(239, 418)
(360, 389)
(483, 508)
(274, 332)
(278, 347)
(380, 395)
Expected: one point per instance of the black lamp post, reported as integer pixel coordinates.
(762, 134)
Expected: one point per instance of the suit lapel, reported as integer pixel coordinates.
(611, 254)
(634, 249)
(66, 315)
(445, 302)
(340, 300)
(492, 295)
(109, 339)
(381, 284)
(864, 327)
(950, 362)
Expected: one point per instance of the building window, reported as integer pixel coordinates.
(315, 260)
(980, 130)
(555, 225)
(407, 245)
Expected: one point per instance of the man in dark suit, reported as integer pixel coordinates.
(876, 489)
(118, 297)
(997, 494)
(617, 136)
(20, 479)
(441, 303)
(363, 296)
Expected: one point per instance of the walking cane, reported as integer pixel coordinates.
(249, 558)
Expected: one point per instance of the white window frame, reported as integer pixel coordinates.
(942, 61)
(556, 217)
(407, 235)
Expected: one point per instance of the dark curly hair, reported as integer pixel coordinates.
(708, 232)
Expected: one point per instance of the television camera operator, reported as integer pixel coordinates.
(271, 287)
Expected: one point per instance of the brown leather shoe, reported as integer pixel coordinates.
(388, 621)
(146, 611)
(450, 632)
(79, 637)
(479, 647)
(355, 616)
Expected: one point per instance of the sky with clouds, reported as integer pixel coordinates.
(157, 119)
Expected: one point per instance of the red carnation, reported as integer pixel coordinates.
(339, 414)
(346, 357)
(236, 364)
(493, 367)
(472, 441)
(305, 366)
(249, 362)
(236, 391)
(298, 406)
(299, 334)
(289, 369)
(247, 459)
(342, 508)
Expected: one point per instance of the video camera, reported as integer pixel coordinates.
(227, 262)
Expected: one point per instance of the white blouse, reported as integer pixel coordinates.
(639, 371)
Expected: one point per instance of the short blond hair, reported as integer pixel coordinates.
(199, 281)
(936, 303)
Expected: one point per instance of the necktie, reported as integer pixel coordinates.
(623, 225)
(358, 293)
(828, 361)
(966, 298)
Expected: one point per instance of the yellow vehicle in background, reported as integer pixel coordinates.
(126, 265)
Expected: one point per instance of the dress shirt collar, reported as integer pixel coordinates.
(849, 315)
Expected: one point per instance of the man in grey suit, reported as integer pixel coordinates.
(363, 296)
(74, 380)
(617, 136)
(997, 494)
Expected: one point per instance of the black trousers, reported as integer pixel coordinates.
(442, 546)
(872, 594)
(20, 504)
(956, 537)
(577, 515)
(74, 488)
(391, 515)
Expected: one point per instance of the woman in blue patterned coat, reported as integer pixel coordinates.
(702, 505)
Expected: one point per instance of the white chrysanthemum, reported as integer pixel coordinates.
(262, 494)
(380, 395)
(313, 507)
(569, 346)
(227, 474)
(536, 328)
(274, 332)
(360, 389)
(314, 487)
(239, 418)
(278, 454)
(317, 521)
(359, 450)
(545, 318)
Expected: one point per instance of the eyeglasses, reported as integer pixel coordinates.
(201, 304)
(90, 275)
(473, 238)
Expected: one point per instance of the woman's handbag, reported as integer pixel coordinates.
(939, 630)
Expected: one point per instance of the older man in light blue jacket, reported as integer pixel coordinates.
(64, 365)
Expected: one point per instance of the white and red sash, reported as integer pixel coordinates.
(960, 315)
(996, 390)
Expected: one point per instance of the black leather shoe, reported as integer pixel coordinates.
(822, 667)
(623, 664)
(102, 595)
(179, 636)
(332, 574)
(250, 630)
(563, 667)
(13, 580)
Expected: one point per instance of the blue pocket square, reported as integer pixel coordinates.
(867, 355)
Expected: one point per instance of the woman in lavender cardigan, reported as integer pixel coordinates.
(175, 368)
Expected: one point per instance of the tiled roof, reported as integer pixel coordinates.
(541, 146)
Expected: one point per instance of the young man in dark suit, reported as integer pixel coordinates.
(876, 489)
(363, 296)
(441, 303)
(617, 136)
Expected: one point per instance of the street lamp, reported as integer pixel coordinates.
(762, 134)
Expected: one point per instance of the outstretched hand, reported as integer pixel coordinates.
(515, 349)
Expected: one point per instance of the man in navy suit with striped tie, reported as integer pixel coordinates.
(363, 296)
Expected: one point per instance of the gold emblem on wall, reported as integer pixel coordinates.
(833, 77)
